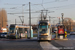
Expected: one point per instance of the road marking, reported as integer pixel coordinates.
(47, 46)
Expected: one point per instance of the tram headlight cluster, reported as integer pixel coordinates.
(44, 34)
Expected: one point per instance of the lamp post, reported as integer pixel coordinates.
(62, 17)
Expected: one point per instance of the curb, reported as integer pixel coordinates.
(61, 39)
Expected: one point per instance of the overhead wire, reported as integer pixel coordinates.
(54, 1)
(60, 6)
(14, 4)
(47, 3)
(17, 7)
(66, 7)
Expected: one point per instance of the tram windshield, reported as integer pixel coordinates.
(12, 28)
(43, 27)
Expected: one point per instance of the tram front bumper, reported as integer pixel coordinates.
(44, 38)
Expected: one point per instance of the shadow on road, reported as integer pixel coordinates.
(54, 43)
(20, 45)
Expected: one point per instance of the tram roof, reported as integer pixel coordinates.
(19, 26)
(22, 26)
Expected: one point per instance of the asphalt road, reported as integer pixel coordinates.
(71, 37)
(20, 45)
(65, 44)
(27, 44)
(23, 44)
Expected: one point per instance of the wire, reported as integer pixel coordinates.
(15, 4)
(65, 8)
(43, 7)
(54, 1)
(60, 6)
(42, 4)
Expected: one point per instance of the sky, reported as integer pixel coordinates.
(56, 7)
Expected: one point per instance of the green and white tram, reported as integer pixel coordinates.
(44, 30)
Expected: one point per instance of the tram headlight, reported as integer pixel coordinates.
(45, 34)
(16, 26)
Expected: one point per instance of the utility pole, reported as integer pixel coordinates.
(23, 14)
(62, 17)
(30, 19)
(15, 21)
(49, 19)
(59, 20)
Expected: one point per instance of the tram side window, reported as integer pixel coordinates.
(20, 30)
(25, 30)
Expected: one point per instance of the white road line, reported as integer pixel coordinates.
(48, 46)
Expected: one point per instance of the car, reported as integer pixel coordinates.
(72, 33)
(3, 35)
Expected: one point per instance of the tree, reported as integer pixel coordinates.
(68, 22)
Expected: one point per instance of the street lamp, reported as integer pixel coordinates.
(62, 17)
(59, 19)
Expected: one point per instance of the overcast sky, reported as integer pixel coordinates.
(58, 6)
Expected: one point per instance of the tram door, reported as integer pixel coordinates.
(21, 31)
(26, 32)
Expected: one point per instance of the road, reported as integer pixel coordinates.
(71, 37)
(65, 44)
(23, 44)
(33, 44)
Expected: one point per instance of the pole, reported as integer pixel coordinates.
(30, 18)
(59, 20)
(49, 19)
(41, 15)
(50, 26)
(62, 17)
(15, 21)
(22, 15)
(70, 26)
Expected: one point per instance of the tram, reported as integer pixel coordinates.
(19, 31)
(44, 30)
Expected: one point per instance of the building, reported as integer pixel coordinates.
(3, 18)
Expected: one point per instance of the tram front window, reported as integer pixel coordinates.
(43, 29)
(12, 30)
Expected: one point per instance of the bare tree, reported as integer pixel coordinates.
(68, 22)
